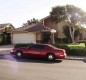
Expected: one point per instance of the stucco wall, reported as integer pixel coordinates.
(38, 36)
(58, 27)
(83, 32)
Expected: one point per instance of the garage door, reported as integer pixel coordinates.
(24, 38)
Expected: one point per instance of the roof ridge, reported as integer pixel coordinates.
(24, 27)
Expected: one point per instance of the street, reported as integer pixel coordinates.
(36, 69)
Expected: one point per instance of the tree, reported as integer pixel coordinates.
(66, 31)
(73, 15)
(6, 34)
(29, 22)
(34, 20)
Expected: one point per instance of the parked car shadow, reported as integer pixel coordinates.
(5, 55)
(30, 60)
(36, 60)
(1, 56)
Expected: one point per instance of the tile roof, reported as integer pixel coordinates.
(23, 28)
(38, 27)
(33, 28)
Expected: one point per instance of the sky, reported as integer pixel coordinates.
(18, 12)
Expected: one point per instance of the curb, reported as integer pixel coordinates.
(75, 58)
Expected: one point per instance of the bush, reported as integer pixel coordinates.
(5, 38)
(1, 39)
(72, 50)
(77, 51)
(62, 46)
(22, 45)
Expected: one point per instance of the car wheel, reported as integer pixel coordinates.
(50, 57)
(19, 54)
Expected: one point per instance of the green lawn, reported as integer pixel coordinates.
(76, 45)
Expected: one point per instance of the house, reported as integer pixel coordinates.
(4, 27)
(60, 36)
(47, 21)
(34, 33)
(40, 32)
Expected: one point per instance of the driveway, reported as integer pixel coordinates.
(5, 49)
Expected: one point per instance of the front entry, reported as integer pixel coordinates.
(46, 37)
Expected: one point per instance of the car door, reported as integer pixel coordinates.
(41, 49)
(36, 50)
(33, 51)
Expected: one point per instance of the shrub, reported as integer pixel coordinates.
(62, 46)
(1, 39)
(73, 50)
(77, 51)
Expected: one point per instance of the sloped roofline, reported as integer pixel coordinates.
(39, 27)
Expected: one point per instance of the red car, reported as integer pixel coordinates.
(40, 51)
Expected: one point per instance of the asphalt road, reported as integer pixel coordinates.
(36, 69)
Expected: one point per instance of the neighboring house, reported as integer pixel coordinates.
(34, 33)
(6, 27)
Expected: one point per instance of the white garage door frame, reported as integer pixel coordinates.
(23, 38)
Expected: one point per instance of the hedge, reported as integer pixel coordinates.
(73, 50)
(77, 51)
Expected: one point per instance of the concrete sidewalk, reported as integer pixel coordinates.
(75, 58)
